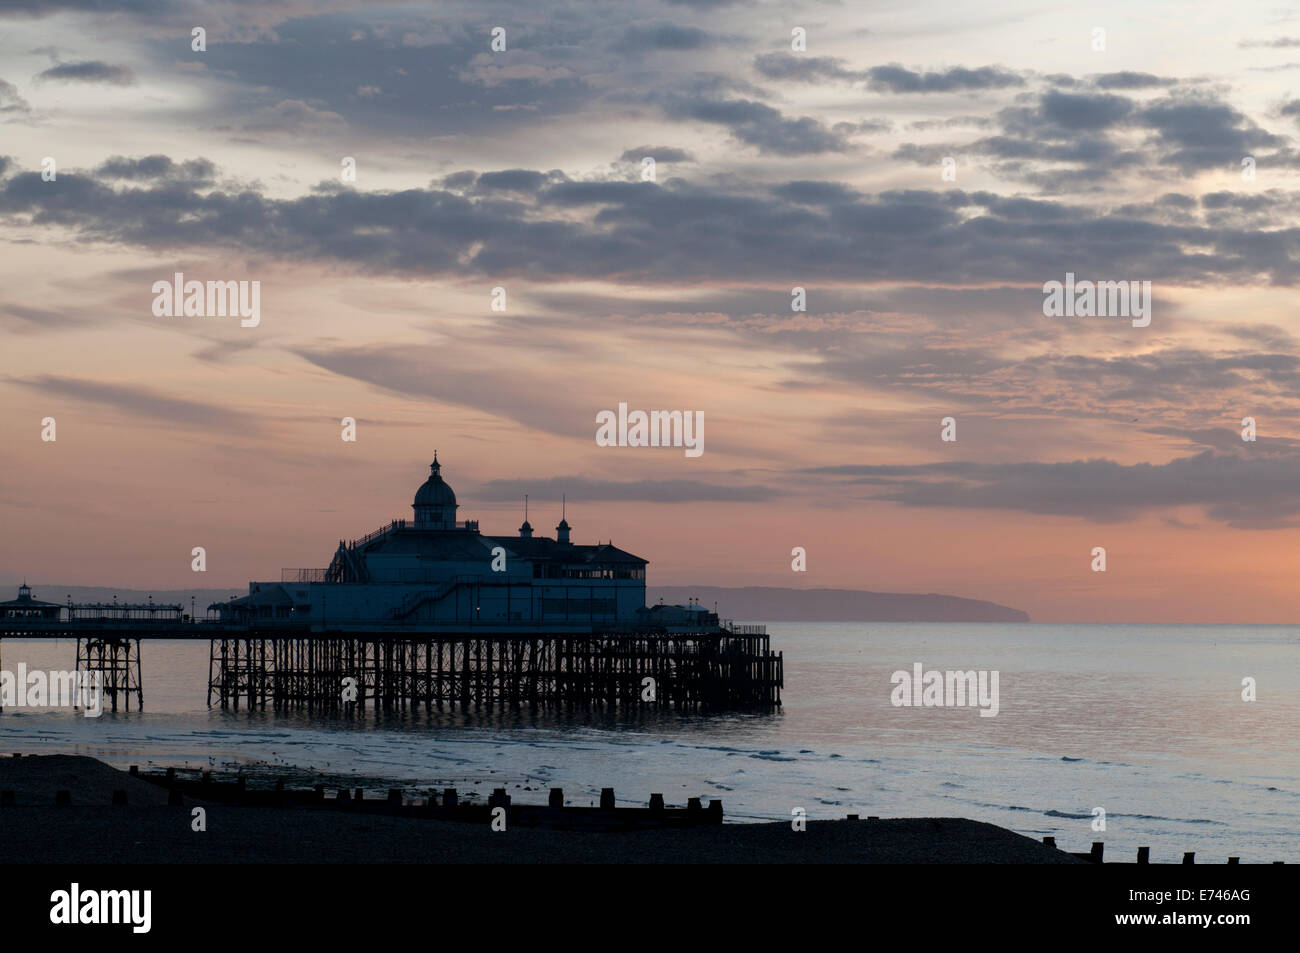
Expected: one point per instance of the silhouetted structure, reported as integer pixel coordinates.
(433, 573)
(431, 612)
(25, 607)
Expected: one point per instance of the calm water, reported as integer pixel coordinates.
(1146, 722)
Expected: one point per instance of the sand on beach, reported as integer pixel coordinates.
(35, 779)
(146, 830)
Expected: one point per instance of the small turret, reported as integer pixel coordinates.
(562, 531)
(527, 529)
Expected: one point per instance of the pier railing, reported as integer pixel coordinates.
(375, 534)
(303, 575)
(736, 628)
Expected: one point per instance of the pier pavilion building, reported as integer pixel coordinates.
(437, 572)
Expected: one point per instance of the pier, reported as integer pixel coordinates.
(731, 667)
(107, 635)
(433, 612)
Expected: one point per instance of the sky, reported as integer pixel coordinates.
(919, 169)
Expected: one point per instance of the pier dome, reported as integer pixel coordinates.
(435, 501)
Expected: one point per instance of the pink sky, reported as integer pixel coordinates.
(777, 169)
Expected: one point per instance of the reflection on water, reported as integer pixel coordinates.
(1144, 721)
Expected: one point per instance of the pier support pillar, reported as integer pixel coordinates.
(117, 659)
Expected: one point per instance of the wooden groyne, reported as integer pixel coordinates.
(1097, 852)
(555, 814)
(718, 670)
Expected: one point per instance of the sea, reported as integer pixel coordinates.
(1133, 735)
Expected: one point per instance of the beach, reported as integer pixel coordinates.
(91, 829)
(1151, 730)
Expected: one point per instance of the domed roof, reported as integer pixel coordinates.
(435, 491)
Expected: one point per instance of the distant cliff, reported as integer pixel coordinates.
(774, 604)
(59, 592)
(751, 603)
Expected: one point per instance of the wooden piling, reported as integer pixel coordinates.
(496, 672)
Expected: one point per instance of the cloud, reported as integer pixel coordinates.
(1280, 67)
(1244, 490)
(43, 8)
(511, 180)
(293, 116)
(23, 320)
(89, 71)
(585, 489)
(135, 401)
(155, 167)
(894, 78)
(673, 231)
(1281, 42)
(425, 373)
(641, 38)
(759, 125)
(806, 69)
(658, 153)
(815, 193)
(1057, 115)
(953, 122)
(1194, 133)
(10, 101)
(1186, 130)
(1127, 79)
